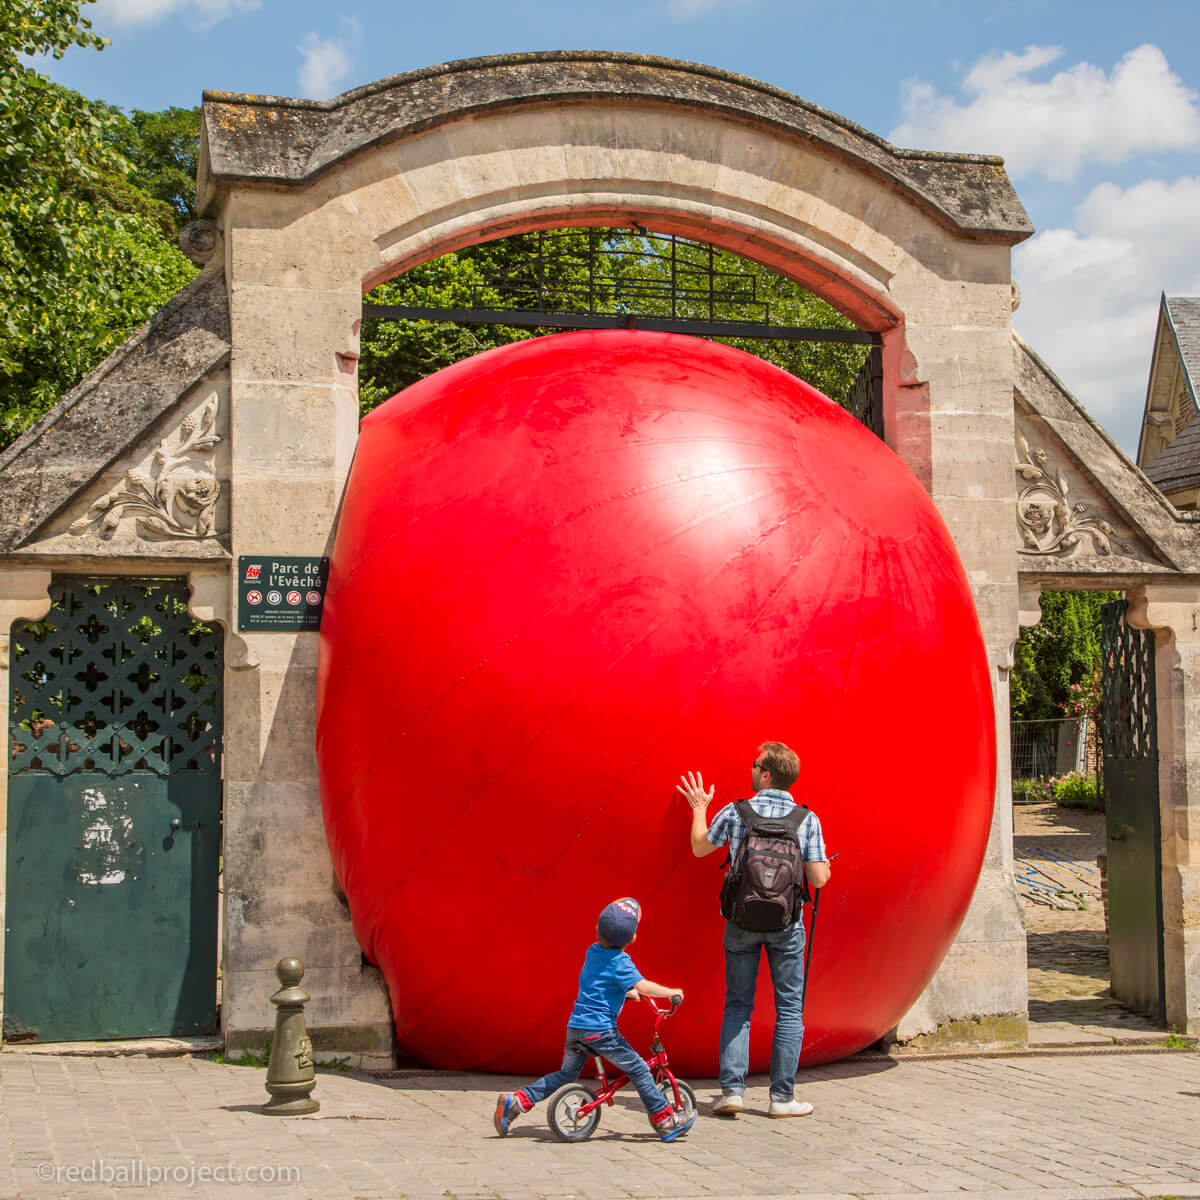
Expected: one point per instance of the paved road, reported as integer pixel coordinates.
(1075, 1127)
(1069, 1001)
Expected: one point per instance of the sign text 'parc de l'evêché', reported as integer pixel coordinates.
(281, 592)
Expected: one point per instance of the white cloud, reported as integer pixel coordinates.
(327, 61)
(1079, 115)
(145, 12)
(1090, 294)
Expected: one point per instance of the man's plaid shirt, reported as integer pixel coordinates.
(728, 827)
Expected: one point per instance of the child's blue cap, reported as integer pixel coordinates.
(619, 921)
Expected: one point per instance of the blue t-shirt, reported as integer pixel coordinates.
(607, 975)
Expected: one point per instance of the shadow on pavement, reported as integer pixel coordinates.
(1071, 952)
(1090, 1011)
(1078, 820)
(867, 1062)
(1066, 847)
(406, 1079)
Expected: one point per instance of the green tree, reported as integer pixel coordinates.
(395, 354)
(635, 274)
(85, 255)
(749, 292)
(162, 149)
(43, 27)
(1058, 656)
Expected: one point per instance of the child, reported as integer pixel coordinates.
(608, 974)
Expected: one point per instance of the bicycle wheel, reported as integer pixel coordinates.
(563, 1113)
(687, 1098)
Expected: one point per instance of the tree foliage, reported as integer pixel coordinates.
(635, 274)
(1058, 659)
(162, 149)
(91, 200)
(43, 27)
(85, 254)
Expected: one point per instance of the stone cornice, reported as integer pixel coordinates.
(272, 140)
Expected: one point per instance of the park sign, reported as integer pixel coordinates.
(281, 592)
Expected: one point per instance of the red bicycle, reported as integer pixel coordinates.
(574, 1110)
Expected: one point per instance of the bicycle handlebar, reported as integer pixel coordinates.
(676, 1001)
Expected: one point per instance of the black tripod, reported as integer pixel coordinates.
(812, 933)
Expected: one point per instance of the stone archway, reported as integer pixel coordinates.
(311, 204)
(1118, 531)
(414, 166)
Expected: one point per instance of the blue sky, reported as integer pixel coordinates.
(1096, 108)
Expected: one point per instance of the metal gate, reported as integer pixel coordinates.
(114, 816)
(1128, 717)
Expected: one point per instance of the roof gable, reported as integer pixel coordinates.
(1169, 443)
(123, 400)
(1183, 314)
(1178, 464)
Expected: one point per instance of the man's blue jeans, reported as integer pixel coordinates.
(581, 1045)
(785, 957)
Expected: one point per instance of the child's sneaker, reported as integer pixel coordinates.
(671, 1124)
(509, 1107)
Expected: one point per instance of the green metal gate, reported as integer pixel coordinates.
(1128, 720)
(114, 816)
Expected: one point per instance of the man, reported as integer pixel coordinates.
(774, 770)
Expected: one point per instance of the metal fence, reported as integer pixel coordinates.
(1044, 749)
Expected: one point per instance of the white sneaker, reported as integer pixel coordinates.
(788, 1108)
(729, 1105)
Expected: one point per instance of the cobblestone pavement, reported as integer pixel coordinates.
(1069, 1001)
(1072, 1127)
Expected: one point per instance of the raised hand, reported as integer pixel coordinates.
(691, 788)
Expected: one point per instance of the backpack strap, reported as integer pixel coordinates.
(748, 815)
(751, 819)
(801, 813)
(797, 816)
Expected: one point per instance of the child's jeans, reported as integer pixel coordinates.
(609, 1044)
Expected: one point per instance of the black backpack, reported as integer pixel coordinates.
(766, 887)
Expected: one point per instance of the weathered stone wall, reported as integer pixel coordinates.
(1120, 532)
(1171, 609)
(130, 397)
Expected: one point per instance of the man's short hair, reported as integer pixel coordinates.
(782, 761)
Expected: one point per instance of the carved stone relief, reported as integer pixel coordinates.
(1051, 524)
(178, 500)
(200, 241)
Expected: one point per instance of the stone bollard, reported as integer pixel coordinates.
(290, 1073)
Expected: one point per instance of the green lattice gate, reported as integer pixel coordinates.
(114, 816)
(1134, 842)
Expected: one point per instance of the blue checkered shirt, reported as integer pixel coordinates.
(729, 827)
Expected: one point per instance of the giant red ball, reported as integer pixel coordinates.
(570, 569)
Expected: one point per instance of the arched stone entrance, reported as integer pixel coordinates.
(1118, 531)
(312, 204)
